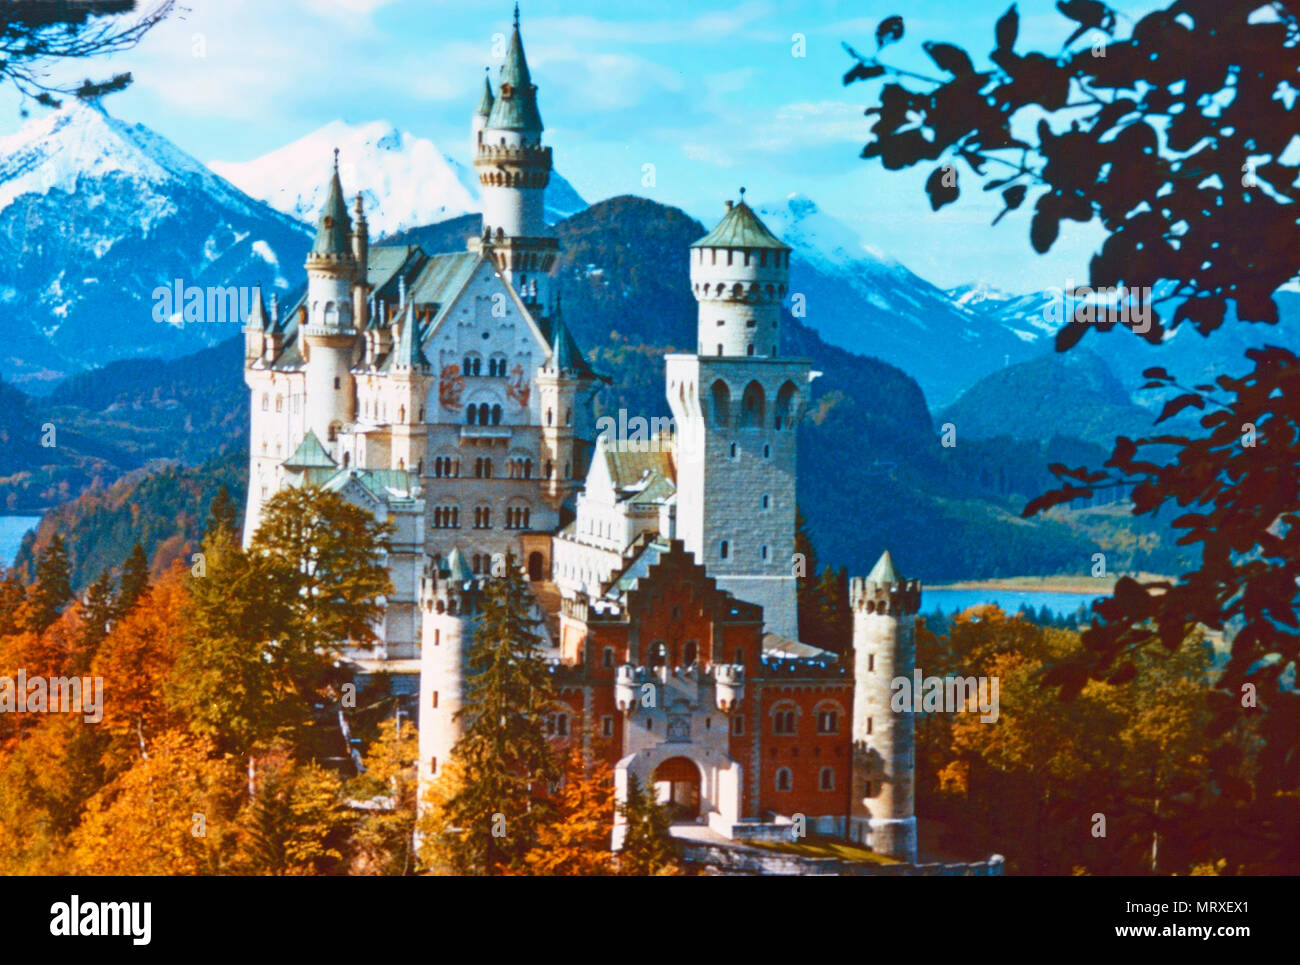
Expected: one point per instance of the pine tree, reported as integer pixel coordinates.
(134, 582)
(647, 844)
(503, 746)
(805, 574)
(222, 513)
(53, 586)
(100, 608)
(11, 604)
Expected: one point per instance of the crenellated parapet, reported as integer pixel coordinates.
(885, 597)
(640, 689)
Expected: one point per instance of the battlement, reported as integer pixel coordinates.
(533, 155)
(440, 593)
(893, 598)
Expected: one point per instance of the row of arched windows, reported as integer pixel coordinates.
(483, 415)
(521, 468)
(518, 517)
(446, 467)
(753, 406)
(473, 365)
(483, 517)
(825, 779)
(660, 654)
(446, 517)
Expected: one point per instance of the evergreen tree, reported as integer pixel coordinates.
(503, 747)
(98, 614)
(805, 573)
(53, 586)
(11, 604)
(648, 844)
(134, 582)
(222, 513)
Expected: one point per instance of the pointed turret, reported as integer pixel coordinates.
(487, 100)
(333, 226)
(256, 325)
(565, 358)
(883, 572)
(515, 108)
(409, 355)
(257, 317)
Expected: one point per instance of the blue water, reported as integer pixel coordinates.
(1011, 601)
(12, 530)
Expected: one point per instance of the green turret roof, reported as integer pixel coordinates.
(565, 356)
(741, 228)
(883, 571)
(515, 108)
(457, 566)
(409, 354)
(310, 454)
(257, 321)
(333, 227)
(485, 104)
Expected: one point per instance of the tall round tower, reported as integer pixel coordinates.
(514, 169)
(882, 811)
(329, 334)
(448, 603)
(740, 273)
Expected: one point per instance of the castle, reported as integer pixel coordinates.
(445, 394)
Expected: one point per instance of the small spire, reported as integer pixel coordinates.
(516, 14)
(401, 291)
(257, 312)
(275, 308)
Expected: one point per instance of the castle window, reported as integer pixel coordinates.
(477, 565)
(746, 257)
(437, 637)
(724, 550)
(869, 790)
(783, 722)
(767, 452)
(607, 657)
(337, 384)
(568, 470)
(557, 725)
(607, 726)
(721, 322)
(689, 653)
(738, 656)
(737, 726)
(828, 722)
(484, 414)
(751, 322)
(871, 662)
(763, 551)
(868, 725)
(784, 779)
(733, 452)
(658, 654)
(279, 403)
(471, 415)
(826, 779)
(496, 415)
(767, 501)
(550, 417)
(419, 467)
(749, 349)
(433, 764)
(434, 702)
(266, 402)
(568, 417)
(719, 349)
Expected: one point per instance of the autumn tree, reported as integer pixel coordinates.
(52, 588)
(382, 843)
(507, 761)
(1174, 135)
(134, 581)
(294, 823)
(576, 841)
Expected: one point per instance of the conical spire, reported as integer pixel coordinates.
(565, 356)
(409, 354)
(333, 227)
(883, 571)
(257, 320)
(515, 108)
(487, 100)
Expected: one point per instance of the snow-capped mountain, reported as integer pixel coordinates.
(860, 300)
(404, 180)
(96, 216)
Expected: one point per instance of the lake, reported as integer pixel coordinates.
(12, 530)
(1011, 601)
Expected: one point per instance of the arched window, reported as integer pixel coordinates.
(721, 403)
(690, 652)
(550, 417)
(828, 717)
(496, 415)
(724, 550)
(784, 779)
(752, 406)
(784, 406)
(785, 719)
(471, 415)
(826, 779)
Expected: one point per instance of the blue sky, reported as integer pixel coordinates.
(709, 92)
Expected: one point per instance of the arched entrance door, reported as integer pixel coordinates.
(677, 784)
(536, 567)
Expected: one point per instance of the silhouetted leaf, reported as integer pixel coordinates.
(1007, 27)
(1178, 404)
(949, 57)
(941, 186)
(889, 31)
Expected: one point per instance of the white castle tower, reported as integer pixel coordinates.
(884, 648)
(449, 600)
(514, 169)
(736, 404)
(330, 332)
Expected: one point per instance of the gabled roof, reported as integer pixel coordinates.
(741, 228)
(333, 227)
(787, 649)
(637, 570)
(310, 454)
(633, 468)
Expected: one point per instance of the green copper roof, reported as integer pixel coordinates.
(333, 227)
(883, 571)
(409, 354)
(310, 454)
(741, 228)
(457, 567)
(565, 356)
(257, 317)
(515, 108)
(485, 104)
